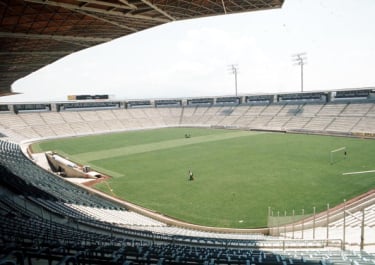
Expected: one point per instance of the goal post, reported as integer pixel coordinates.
(337, 155)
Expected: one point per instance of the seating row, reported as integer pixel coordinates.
(330, 117)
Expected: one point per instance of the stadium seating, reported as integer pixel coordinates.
(272, 110)
(343, 124)
(40, 241)
(319, 123)
(25, 236)
(341, 118)
(256, 109)
(296, 123)
(353, 222)
(357, 109)
(79, 225)
(15, 163)
(310, 110)
(331, 109)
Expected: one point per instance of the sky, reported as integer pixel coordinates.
(192, 58)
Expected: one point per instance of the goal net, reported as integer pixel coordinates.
(337, 155)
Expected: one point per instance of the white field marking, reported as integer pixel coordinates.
(142, 148)
(358, 172)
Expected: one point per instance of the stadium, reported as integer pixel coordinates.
(61, 177)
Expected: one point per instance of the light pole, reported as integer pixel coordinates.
(234, 70)
(300, 59)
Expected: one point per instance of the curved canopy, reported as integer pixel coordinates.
(34, 33)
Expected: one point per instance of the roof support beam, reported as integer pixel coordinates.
(23, 65)
(37, 53)
(108, 4)
(224, 8)
(107, 21)
(52, 37)
(125, 2)
(97, 10)
(158, 9)
(266, 4)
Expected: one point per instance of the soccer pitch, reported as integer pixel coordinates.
(237, 174)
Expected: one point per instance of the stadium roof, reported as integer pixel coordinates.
(34, 33)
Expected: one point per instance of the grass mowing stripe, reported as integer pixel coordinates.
(142, 148)
(93, 143)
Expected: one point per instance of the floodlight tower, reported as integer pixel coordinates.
(300, 59)
(234, 70)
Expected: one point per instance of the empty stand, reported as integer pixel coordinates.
(318, 123)
(121, 114)
(43, 131)
(229, 120)
(80, 128)
(352, 222)
(332, 109)
(27, 133)
(137, 113)
(71, 116)
(371, 112)
(365, 125)
(297, 122)
(62, 129)
(260, 122)
(272, 110)
(114, 125)
(52, 118)
(57, 221)
(98, 126)
(8, 120)
(310, 110)
(343, 124)
(170, 116)
(357, 109)
(32, 119)
(290, 110)
(89, 115)
(14, 160)
(255, 110)
(154, 116)
(240, 110)
(278, 123)
(105, 115)
(341, 118)
(244, 121)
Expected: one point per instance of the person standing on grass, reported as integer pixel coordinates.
(191, 175)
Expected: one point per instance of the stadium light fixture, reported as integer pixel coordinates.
(300, 59)
(234, 70)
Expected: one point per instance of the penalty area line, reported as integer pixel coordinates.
(358, 172)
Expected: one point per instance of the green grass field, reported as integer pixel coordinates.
(238, 174)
